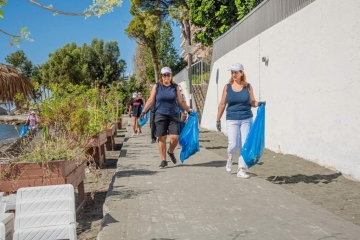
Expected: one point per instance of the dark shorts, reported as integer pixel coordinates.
(166, 124)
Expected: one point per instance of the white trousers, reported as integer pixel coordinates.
(237, 131)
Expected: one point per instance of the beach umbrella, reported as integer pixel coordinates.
(13, 82)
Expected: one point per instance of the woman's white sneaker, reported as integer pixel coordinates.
(242, 174)
(228, 165)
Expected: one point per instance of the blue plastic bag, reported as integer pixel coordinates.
(189, 137)
(143, 121)
(24, 130)
(255, 142)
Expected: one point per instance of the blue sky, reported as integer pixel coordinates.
(52, 32)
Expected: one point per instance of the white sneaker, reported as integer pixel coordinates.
(228, 165)
(242, 174)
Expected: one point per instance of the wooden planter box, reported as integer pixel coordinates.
(97, 148)
(119, 123)
(35, 174)
(110, 135)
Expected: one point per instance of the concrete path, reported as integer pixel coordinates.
(200, 200)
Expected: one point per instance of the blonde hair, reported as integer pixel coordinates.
(242, 80)
(171, 80)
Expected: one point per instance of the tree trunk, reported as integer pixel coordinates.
(155, 62)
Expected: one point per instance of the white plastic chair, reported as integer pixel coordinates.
(6, 226)
(46, 212)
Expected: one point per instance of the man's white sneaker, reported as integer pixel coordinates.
(228, 165)
(242, 174)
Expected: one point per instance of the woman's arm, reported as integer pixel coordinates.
(182, 101)
(253, 102)
(151, 99)
(222, 104)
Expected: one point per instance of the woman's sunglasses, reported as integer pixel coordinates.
(166, 75)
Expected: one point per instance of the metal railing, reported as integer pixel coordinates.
(265, 15)
(200, 72)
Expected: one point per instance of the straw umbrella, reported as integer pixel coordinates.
(13, 82)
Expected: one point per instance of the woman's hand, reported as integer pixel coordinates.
(218, 126)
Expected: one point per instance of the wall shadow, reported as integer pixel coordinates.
(317, 178)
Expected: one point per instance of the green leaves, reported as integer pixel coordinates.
(1, 13)
(214, 18)
(23, 29)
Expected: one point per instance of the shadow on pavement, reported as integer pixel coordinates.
(317, 178)
(134, 172)
(220, 147)
(108, 219)
(216, 164)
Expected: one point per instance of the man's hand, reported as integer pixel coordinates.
(218, 126)
(143, 115)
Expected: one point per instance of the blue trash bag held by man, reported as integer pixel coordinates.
(255, 142)
(142, 120)
(189, 137)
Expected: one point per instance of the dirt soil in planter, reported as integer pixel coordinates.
(90, 217)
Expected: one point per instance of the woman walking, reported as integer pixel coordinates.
(166, 97)
(135, 109)
(239, 97)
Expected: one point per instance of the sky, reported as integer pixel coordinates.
(53, 32)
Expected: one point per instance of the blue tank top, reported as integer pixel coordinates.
(166, 99)
(238, 104)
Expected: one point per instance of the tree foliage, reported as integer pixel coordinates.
(83, 65)
(21, 62)
(213, 18)
(143, 28)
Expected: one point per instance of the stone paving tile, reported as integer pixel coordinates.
(199, 200)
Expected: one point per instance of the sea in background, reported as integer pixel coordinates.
(9, 133)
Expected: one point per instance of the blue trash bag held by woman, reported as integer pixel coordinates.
(255, 142)
(24, 130)
(143, 121)
(189, 137)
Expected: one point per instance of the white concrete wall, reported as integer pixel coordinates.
(311, 84)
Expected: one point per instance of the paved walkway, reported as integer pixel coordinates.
(200, 200)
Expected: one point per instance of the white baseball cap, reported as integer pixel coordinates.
(237, 67)
(32, 112)
(165, 70)
(135, 95)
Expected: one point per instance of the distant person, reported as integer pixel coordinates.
(135, 109)
(239, 97)
(140, 97)
(152, 123)
(31, 121)
(183, 115)
(167, 97)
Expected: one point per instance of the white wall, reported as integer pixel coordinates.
(311, 84)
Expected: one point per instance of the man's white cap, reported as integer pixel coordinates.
(165, 70)
(237, 67)
(135, 95)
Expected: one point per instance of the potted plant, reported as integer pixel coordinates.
(47, 160)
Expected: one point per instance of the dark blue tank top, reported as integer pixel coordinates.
(166, 99)
(238, 104)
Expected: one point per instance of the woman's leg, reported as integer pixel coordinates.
(233, 131)
(174, 139)
(162, 147)
(134, 125)
(245, 126)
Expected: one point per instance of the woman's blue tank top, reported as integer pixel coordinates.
(238, 104)
(166, 99)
